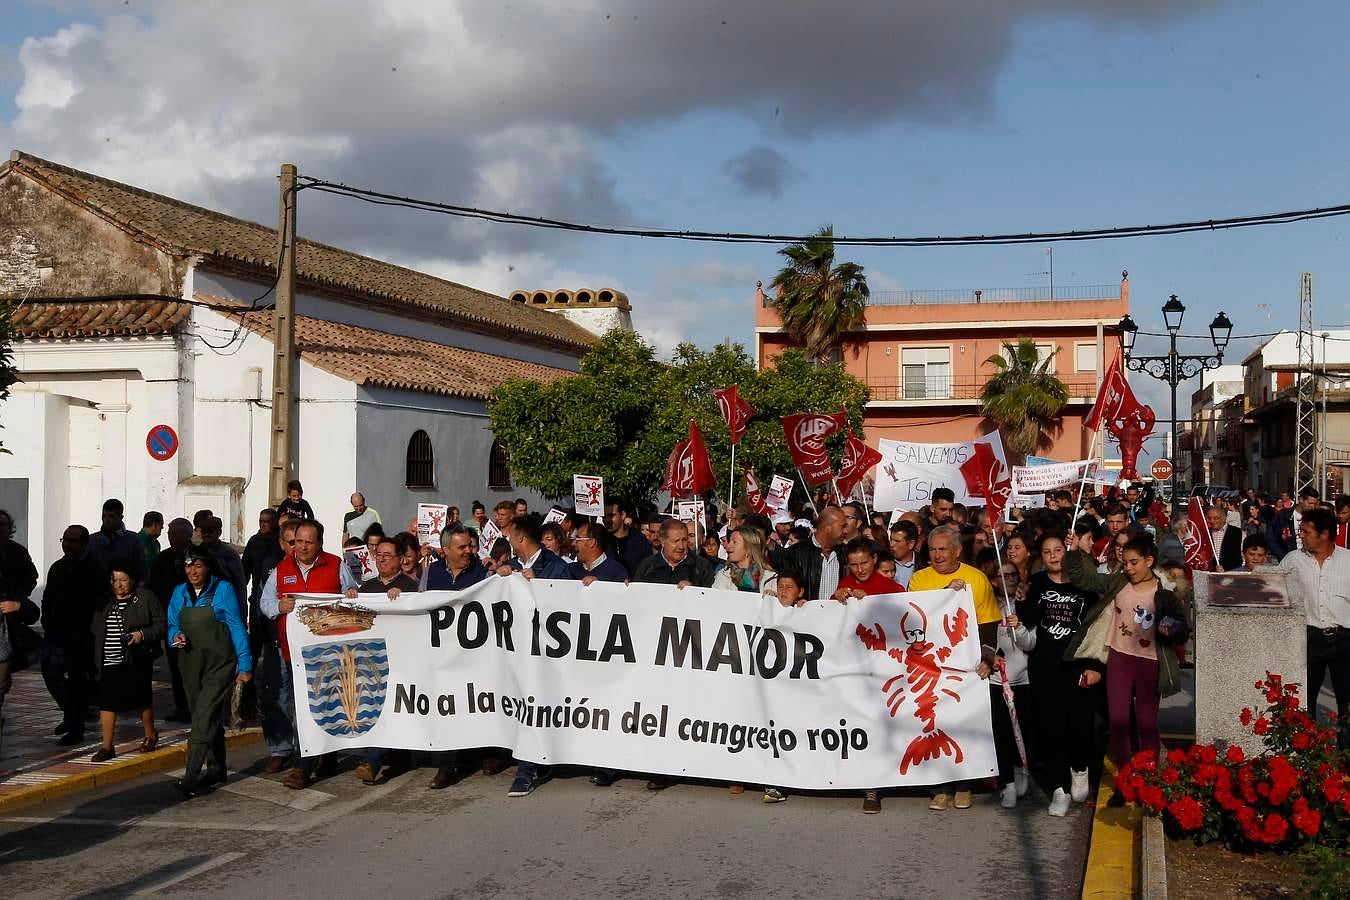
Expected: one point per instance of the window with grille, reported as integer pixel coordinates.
(421, 468)
(499, 467)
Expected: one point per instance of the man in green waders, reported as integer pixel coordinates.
(205, 625)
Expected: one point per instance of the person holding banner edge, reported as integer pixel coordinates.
(945, 570)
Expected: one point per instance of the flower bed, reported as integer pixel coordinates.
(1296, 792)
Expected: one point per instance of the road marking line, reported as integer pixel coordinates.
(205, 867)
(256, 787)
(141, 823)
(274, 792)
(342, 810)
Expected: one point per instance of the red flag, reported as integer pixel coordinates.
(806, 433)
(1199, 553)
(987, 477)
(754, 495)
(859, 459)
(735, 411)
(696, 467)
(669, 483)
(1115, 399)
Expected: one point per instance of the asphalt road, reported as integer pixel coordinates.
(255, 838)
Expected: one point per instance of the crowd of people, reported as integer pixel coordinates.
(1083, 609)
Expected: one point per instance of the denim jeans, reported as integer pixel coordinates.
(276, 700)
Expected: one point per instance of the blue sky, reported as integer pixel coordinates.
(1080, 115)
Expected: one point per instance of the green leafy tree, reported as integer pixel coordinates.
(1023, 397)
(818, 301)
(8, 374)
(622, 413)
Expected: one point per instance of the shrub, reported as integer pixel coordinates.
(1296, 792)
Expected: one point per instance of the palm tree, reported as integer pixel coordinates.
(817, 301)
(1023, 398)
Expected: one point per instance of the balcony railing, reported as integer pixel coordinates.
(996, 295)
(966, 387)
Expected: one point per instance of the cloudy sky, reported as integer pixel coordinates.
(880, 116)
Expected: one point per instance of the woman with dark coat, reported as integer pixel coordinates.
(128, 626)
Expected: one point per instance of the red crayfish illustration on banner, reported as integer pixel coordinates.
(923, 676)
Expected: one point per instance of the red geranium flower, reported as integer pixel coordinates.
(1235, 754)
(1262, 725)
(1187, 813)
(1300, 740)
(1246, 717)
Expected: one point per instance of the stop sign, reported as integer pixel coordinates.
(1161, 470)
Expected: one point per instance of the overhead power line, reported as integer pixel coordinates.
(1093, 234)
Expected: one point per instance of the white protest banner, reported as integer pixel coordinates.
(909, 472)
(693, 512)
(1097, 474)
(588, 494)
(362, 557)
(487, 537)
(554, 515)
(1048, 477)
(694, 683)
(431, 519)
(779, 491)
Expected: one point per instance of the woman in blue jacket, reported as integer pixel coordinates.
(205, 626)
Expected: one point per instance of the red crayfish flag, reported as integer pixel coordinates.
(1199, 553)
(689, 470)
(754, 494)
(735, 411)
(859, 459)
(1115, 399)
(986, 477)
(806, 433)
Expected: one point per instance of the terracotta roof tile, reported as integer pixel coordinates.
(185, 228)
(76, 318)
(380, 359)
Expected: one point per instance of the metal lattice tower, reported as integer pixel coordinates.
(1305, 389)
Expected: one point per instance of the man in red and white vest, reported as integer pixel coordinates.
(307, 570)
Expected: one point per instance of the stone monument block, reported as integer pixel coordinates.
(1246, 624)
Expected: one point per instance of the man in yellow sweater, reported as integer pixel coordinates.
(946, 570)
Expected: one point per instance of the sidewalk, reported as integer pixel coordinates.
(34, 767)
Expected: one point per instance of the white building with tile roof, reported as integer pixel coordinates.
(132, 310)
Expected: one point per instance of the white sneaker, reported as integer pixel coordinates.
(1078, 784)
(1021, 780)
(1059, 803)
(1008, 796)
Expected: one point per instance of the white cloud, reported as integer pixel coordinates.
(489, 103)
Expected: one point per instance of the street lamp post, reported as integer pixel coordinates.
(1175, 367)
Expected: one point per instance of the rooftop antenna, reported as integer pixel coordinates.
(1050, 252)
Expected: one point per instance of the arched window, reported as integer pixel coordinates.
(421, 468)
(499, 467)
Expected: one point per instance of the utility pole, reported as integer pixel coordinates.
(285, 372)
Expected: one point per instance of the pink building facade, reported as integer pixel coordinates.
(924, 355)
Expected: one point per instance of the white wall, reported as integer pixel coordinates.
(231, 422)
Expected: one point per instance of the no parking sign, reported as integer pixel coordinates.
(161, 443)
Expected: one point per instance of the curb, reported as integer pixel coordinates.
(1153, 860)
(1113, 854)
(122, 770)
